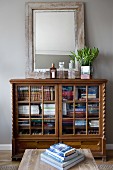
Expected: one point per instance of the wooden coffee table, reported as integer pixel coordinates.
(31, 161)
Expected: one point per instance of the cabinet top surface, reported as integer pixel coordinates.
(58, 81)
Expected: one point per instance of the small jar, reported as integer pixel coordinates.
(71, 64)
(61, 70)
(71, 71)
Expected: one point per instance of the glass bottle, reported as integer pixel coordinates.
(71, 71)
(53, 72)
(61, 70)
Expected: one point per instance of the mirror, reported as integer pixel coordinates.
(52, 31)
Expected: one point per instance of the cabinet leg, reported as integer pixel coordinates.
(104, 159)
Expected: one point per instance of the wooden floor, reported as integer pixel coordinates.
(109, 158)
(5, 158)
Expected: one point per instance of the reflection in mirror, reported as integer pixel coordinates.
(40, 58)
(52, 31)
(54, 37)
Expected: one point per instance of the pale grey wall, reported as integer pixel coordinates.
(99, 33)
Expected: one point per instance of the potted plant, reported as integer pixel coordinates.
(85, 57)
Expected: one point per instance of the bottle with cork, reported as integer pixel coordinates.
(53, 72)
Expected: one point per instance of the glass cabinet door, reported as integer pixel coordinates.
(37, 111)
(36, 95)
(23, 110)
(67, 109)
(49, 110)
(80, 110)
(93, 110)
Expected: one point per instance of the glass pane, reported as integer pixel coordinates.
(49, 110)
(23, 93)
(49, 126)
(36, 93)
(80, 110)
(93, 126)
(23, 126)
(36, 111)
(23, 111)
(67, 126)
(68, 109)
(49, 93)
(36, 126)
(93, 93)
(80, 126)
(23, 119)
(67, 92)
(80, 93)
(93, 109)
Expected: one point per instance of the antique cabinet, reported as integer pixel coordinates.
(47, 111)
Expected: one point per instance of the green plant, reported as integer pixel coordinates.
(85, 56)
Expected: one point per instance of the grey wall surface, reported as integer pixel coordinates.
(98, 33)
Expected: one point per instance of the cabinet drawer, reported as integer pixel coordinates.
(94, 145)
(21, 145)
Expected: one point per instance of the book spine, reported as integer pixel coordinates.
(61, 164)
(50, 163)
(61, 168)
(62, 149)
(60, 159)
(52, 151)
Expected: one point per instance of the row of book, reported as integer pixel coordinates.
(36, 93)
(49, 109)
(80, 123)
(62, 156)
(79, 109)
(80, 92)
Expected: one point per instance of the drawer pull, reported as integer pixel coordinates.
(98, 143)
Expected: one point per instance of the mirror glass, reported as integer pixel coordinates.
(52, 31)
(54, 37)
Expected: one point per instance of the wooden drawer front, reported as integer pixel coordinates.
(94, 145)
(45, 144)
(23, 144)
(27, 144)
(74, 144)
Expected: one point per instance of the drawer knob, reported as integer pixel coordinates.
(98, 143)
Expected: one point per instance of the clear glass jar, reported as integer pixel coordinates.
(71, 71)
(71, 64)
(61, 70)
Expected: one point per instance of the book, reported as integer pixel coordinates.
(47, 157)
(49, 109)
(60, 166)
(62, 149)
(62, 158)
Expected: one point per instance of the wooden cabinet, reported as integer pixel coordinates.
(47, 111)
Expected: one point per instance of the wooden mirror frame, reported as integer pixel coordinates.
(30, 6)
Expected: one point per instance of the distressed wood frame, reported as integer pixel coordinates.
(30, 6)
